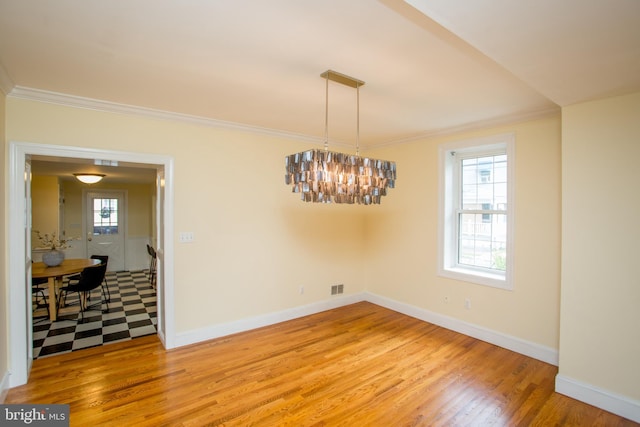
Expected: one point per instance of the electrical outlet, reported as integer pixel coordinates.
(446, 299)
(301, 290)
(467, 303)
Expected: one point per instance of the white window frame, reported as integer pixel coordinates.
(448, 200)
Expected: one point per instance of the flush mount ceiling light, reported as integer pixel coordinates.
(89, 178)
(323, 176)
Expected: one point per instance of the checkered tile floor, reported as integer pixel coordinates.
(132, 313)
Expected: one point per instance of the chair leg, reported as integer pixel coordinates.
(81, 297)
(152, 270)
(106, 301)
(155, 272)
(46, 303)
(86, 306)
(107, 295)
(61, 300)
(44, 300)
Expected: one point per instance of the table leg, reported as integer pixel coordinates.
(53, 306)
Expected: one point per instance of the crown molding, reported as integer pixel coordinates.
(481, 124)
(6, 83)
(112, 107)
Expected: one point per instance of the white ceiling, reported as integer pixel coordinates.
(569, 50)
(447, 66)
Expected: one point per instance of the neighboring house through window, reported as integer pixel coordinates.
(105, 216)
(476, 210)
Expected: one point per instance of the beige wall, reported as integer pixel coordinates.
(4, 276)
(402, 238)
(255, 242)
(600, 329)
(45, 209)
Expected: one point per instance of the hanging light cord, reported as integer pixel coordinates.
(357, 119)
(326, 115)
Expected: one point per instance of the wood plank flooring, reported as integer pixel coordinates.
(360, 365)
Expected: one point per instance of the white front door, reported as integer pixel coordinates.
(106, 230)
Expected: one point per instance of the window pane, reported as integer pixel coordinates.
(485, 193)
(105, 216)
(469, 175)
(500, 171)
(469, 196)
(483, 240)
(500, 196)
(484, 183)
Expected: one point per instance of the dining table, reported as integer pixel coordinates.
(55, 275)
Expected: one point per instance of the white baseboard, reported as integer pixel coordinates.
(4, 387)
(247, 324)
(603, 399)
(518, 345)
(528, 348)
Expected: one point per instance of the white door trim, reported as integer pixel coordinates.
(18, 365)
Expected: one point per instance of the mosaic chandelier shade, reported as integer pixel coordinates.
(327, 176)
(323, 176)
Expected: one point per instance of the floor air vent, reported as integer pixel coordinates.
(337, 289)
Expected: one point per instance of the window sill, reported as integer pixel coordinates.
(473, 276)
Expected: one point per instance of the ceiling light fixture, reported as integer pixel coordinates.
(89, 178)
(323, 176)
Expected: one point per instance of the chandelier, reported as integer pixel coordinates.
(323, 176)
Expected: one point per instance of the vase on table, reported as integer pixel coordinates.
(53, 257)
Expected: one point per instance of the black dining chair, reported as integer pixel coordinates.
(90, 279)
(104, 259)
(152, 265)
(37, 290)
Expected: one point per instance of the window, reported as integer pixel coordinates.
(105, 216)
(476, 210)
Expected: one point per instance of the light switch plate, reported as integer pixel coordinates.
(186, 236)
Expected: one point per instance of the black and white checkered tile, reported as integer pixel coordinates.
(132, 313)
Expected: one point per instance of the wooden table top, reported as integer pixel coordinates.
(68, 266)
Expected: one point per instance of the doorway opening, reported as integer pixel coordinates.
(19, 268)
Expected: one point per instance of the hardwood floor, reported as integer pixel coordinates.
(360, 365)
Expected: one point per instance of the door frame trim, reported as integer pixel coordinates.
(19, 363)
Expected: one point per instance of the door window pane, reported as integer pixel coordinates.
(105, 216)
